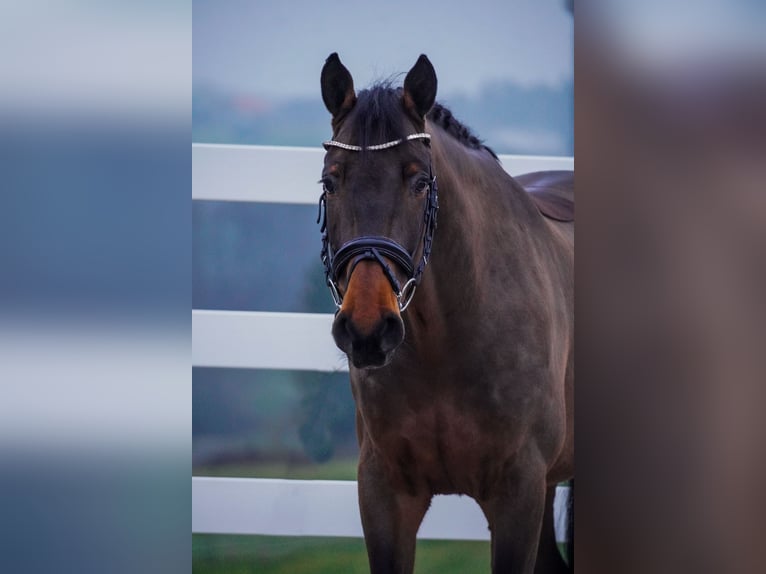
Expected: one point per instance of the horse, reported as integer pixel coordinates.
(459, 336)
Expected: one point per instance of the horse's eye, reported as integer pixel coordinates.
(421, 186)
(328, 186)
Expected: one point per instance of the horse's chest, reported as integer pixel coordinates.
(437, 447)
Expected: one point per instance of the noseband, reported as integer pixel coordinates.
(376, 247)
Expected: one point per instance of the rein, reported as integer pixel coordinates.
(376, 247)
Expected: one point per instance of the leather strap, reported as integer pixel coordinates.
(376, 247)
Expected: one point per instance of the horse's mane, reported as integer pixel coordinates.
(377, 118)
(442, 116)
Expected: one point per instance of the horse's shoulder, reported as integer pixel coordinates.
(552, 192)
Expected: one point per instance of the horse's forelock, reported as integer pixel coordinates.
(378, 116)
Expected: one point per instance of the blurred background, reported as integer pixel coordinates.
(505, 70)
(95, 261)
(96, 251)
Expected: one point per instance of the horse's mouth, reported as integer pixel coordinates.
(369, 358)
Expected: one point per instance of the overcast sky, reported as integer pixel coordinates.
(277, 48)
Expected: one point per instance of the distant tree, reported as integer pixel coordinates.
(316, 296)
(327, 407)
(327, 415)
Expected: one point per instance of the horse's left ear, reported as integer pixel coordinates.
(420, 87)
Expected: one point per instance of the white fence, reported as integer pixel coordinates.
(263, 340)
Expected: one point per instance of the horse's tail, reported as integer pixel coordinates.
(570, 526)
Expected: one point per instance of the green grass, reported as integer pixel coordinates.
(312, 555)
(231, 554)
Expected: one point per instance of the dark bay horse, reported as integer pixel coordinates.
(459, 336)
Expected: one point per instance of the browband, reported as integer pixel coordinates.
(377, 147)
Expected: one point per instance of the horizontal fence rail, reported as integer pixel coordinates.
(281, 507)
(300, 341)
(273, 174)
(265, 340)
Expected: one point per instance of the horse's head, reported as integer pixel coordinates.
(380, 201)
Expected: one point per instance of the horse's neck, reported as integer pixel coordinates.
(482, 213)
(482, 204)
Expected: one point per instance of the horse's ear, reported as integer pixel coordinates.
(337, 86)
(420, 87)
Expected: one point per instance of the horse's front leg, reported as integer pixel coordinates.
(390, 519)
(515, 516)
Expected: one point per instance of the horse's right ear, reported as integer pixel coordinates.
(337, 86)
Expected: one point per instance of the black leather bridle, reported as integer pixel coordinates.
(377, 247)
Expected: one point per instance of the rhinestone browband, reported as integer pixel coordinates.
(378, 147)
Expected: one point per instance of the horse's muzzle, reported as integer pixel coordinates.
(368, 326)
(369, 350)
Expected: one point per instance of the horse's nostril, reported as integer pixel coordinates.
(341, 332)
(391, 332)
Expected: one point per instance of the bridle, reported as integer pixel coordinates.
(376, 247)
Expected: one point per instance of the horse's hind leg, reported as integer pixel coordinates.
(549, 560)
(390, 520)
